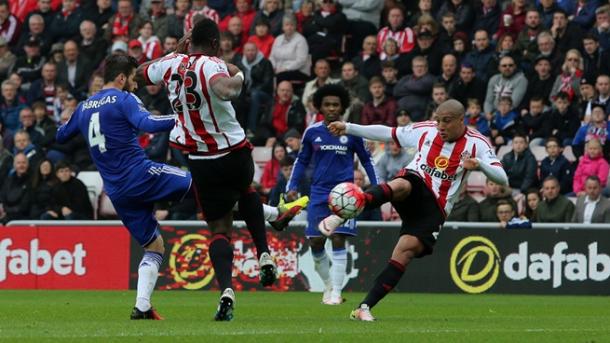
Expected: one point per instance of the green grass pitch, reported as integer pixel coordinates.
(100, 316)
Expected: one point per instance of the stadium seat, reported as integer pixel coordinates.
(261, 155)
(539, 152)
(504, 149)
(94, 183)
(569, 154)
(258, 173)
(476, 182)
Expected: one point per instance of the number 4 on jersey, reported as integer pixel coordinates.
(96, 138)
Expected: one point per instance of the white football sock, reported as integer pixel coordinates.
(322, 265)
(338, 270)
(147, 278)
(270, 212)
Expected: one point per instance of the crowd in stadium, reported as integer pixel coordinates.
(534, 77)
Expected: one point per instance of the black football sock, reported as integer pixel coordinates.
(385, 282)
(251, 210)
(377, 195)
(221, 253)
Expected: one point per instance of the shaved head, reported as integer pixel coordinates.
(451, 106)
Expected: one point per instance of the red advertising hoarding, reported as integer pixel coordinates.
(64, 258)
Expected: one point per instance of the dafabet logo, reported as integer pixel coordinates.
(462, 264)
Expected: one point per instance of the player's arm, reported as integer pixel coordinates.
(487, 162)
(151, 72)
(403, 136)
(366, 160)
(227, 85)
(300, 165)
(69, 129)
(140, 118)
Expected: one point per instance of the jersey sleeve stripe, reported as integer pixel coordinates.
(480, 138)
(217, 76)
(395, 138)
(146, 77)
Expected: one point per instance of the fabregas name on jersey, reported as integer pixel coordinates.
(99, 103)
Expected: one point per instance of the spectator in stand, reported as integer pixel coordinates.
(468, 86)
(392, 162)
(6, 161)
(520, 165)
(403, 118)
(449, 75)
(285, 113)
(44, 124)
(424, 7)
(567, 34)
(464, 13)
(591, 206)
(592, 163)
(357, 87)
(199, 8)
(587, 94)
(548, 49)
(65, 23)
(41, 7)
(373, 214)
(170, 44)
(460, 46)
(258, 85)
(526, 40)
(602, 87)
(399, 61)
(10, 106)
(228, 52)
(262, 38)
(510, 82)
(426, 23)
(157, 16)
(493, 194)
(272, 11)
(75, 70)
(289, 54)
(282, 178)
(43, 181)
(367, 62)
(235, 29)
(532, 199)
(57, 53)
(244, 11)
(137, 51)
(446, 32)
(10, 27)
(70, 197)
(439, 95)
(547, 8)
(324, 32)
(487, 17)
(7, 59)
(28, 124)
(305, 14)
(16, 192)
(581, 12)
(466, 209)
(322, 72)
(96, 84)
(597, 128)
(504, 122)
(91, 46)
(413, 91)
(381, 109)
(36, 27)
(541, 83)
(175, 21)
(292, 139)
(596, 61)
(154, 97)
(481, 55)
(397, 30)
(99, 12)
(363, 20)
(271, 171)
(602, 26)
(475, 118)
(505, 47)
(123, 25)
(424, 48)
(23, 144)
(555, 208)
(507, 216)
(389, 73)
(28, 66)
(223, 7)
(151, 44)
(535, 122)
(569, 79)
(512, 19)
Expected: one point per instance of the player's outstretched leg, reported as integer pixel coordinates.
(251, 209)
(148, 271)
(287, 211)
(337, 269)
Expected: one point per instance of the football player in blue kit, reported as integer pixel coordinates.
(333, 158)
(110, 121)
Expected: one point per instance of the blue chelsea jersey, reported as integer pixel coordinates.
(110, 121)
(333, 158)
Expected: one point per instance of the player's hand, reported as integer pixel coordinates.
(183, 44)
(232, 69)
(470, 164)
(291, 196)
(337, 128)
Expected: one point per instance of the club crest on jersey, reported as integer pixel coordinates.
(441, 162)
(343, 139)
(465, 155)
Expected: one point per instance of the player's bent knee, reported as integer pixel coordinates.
(338, 240)
(157, 245)
(401, 188)
(317, 243)
(407, 248)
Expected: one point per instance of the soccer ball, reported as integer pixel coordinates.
(346, 200)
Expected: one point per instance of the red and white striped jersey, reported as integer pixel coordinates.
(405, 39)
(205, 11)
(207, 126)
(439, 163)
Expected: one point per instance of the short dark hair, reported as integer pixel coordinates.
(593, 178)
(506, 99)
(550, 178)
(562, 96)
(536, 98)
(204, 33)
(504, 202)
(118, 64)
(520, 134)
(62, 165)
(553, 139)
(331, 90)
(287, 161)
